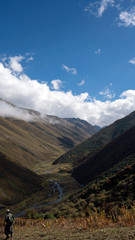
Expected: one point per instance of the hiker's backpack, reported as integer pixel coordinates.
(10, 219)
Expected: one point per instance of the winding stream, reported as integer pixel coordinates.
(57, 186)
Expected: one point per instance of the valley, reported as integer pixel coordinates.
(96, 173)
(67, 120)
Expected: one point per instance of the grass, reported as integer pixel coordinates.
(71, 229)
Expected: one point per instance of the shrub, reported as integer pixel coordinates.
(48, 215)
(31, 214)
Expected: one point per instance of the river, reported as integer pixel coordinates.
(57, 186)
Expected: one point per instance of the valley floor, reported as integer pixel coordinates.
(68, 230)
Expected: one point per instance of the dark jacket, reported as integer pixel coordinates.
(9, 220)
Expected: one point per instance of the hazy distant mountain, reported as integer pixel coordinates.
(88, 148)
(29, 138)
(83, 125)
(97, 127)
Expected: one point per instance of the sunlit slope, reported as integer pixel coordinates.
(41, 140)
(89, 147)
(16, 182)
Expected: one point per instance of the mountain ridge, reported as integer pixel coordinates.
(90, 146)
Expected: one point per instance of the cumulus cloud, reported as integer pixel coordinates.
(81, 83)
(71, 70)
(56, 84)
(14, 63)
(25, 92)
(127, 18)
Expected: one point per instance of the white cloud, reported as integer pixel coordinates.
(98, 51)
(132, 61)
(107, 93)
(14, 63)
(98, 8)
(8, 110)
(104, 5)
(29, 59)
(56, 84)
(71, 70)
(25, 92)
(127, 18)
(81, 83)
(92, 8)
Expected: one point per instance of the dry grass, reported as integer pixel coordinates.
(95, 227)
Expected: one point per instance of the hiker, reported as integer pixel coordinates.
(9, 221)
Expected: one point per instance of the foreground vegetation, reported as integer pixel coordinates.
(95, 227)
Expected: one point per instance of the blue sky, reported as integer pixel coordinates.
(71, 58)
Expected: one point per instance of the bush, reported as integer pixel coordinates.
(48, 215)
(31, 214)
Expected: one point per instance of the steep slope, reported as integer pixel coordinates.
(16, 182)
(89, 147)
(37, 139)
(120, 148)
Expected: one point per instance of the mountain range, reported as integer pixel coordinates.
(29, 138)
